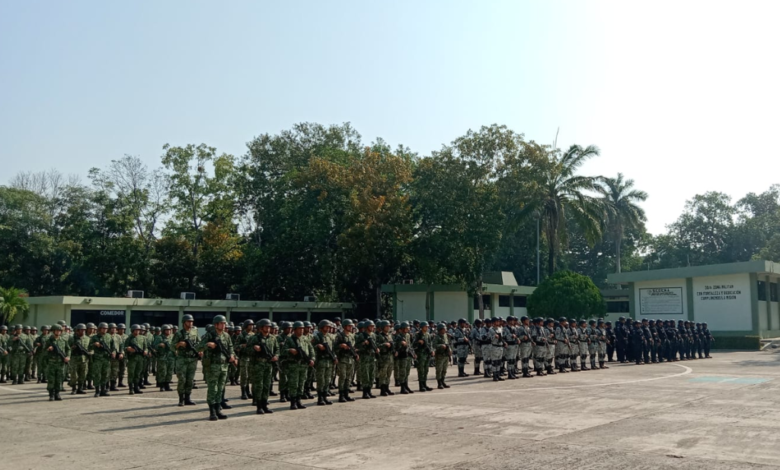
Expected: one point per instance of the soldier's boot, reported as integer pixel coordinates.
(259, 410)
(341, 397)
(168, 387)
(271, 391)
(212, 413)
(138, 389)
(97, 392)
(223, 404)
(219, 409)
(264, 406)
(132, 390)
(299, 404)
(476, 367)
(602, 366)
(320, 399)
(307, 394)
(243, 393)
(325, 399)
(39, 380)
(444, 384)
(57, 396)
(161, 386)
(439, 385)
(141, 385)
(293, 404)
(181, 399)
(20, 380)
(121, 383)
(51, 395)
(13, 382)
(460, 371)
(346, 395)
(105, 393)
(89, 385)
(370, 395)
(113, 386)
(187, 400)
(333, 385)
(382, 391)
(282, 397)
(403, 389)
(72, 390)
(249, 393)
(593, 364)
(550, 370)
(146, 381)
(387, 389)
(422, 386)
(527, 374)
(408, 390)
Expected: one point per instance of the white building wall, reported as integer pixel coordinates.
(775, 316)
(411, 306)
(724, 303)
(762, 325)
(449, 306)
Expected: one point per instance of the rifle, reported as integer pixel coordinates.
(298, 348)
(3, 351)
(58, 351)
(81, 348)
(426, 346)
(264, 349)
(222, 348)
(372, 344)
(349, 345)
(188, 343)
(134, 346)
(24, 345)
(328, 350)
(103, 345)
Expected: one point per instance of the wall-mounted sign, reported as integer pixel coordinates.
(112, 313)
(661, 301)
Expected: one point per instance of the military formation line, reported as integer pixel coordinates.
(335, 356)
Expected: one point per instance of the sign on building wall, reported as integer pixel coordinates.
(661, 301)
(719, 292)
(724, 302)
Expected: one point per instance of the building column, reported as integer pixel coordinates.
(631, 301)
(128, 316)
(228, 311)
(271, 314)
(67, 314)
(754, 302)
(689, 297)
(768, 303)
(470, 308)
(512, 304)
(493, 304)
(395, 306)
(308, 315)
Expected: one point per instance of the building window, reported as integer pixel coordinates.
(617, 307)
(773, 291)
(520, 301)
(762, 290)
(485, 302)
(503, 301)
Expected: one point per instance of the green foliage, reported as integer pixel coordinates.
(13, 303)
(567, 294)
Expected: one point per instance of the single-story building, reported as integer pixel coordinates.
(156, 312)
(738, 301)
(501, 297)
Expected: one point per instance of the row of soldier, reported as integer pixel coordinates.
(251, 356)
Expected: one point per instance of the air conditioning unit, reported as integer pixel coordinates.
(135, 294)
(187, 295)
(407, 281)
(235, 297)
(310, 298)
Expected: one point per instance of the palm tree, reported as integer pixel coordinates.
(620, 199)
(12, 303)
(558, 193)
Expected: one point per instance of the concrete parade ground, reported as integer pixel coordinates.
(714, 413)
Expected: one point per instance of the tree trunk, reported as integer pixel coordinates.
(379, 301)
(480, 304)
(618, 242)
(552, 240)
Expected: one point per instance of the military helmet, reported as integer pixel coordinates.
(18, 327)
(248, 321)
(61, 322)
(404, 324)
(609, 323)
(112, 325)
(477, 321)
(274, 325)
(45, 327)
(549, 320)
(462, 321)
(286, 324)
(423, 325)
(361, 324)
(91, 325)
(135, 327)
(601, 321)
(562, 319)
(523, 318)
(187, 317)
(347, 322)
(487, 320)
(591, 322)
(306, 324)
(219, 319)
(103, 325)
(323, 324)
(121, 326)
(80, 326)
(622, 319)
(263, 322)
(35, 328)
(56, 328)
(3, 328)
(369, 323)
(298, 324)
(441, 326)
(337, 319)
(583, 322)
(166, 327)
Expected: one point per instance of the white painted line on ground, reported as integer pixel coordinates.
(687, 371)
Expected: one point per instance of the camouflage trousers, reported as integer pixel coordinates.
(185, 373)
(78, 371)
(310, 378)
(282, 377)
(232, 372)
(487, 351)
(261, 373)
(296, 378)
(42, 366)
(121, 372)
(217, 377)
(113, 369)
(135, 365)
(3, 364)
(561, 354)
(403, 367)
(100, 365)
(524, 353)
(422, 367)
(245, 371)
(540, 356)
(323, 373)
(54, 374)
(510, 356)
(384, 369)
(17, 363)
(164, 369)
(29, 365)
(345, 369)
(442, 361)
(367, 371)
(602, 351)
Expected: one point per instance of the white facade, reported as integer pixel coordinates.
(724, 302)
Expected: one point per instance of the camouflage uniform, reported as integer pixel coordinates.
(218, 364)
(135, 350)
(346, 365)
(262, 368)
(461, 342)
(3, 353)
(101, 345)
(54, 363)
(19, 349)
(163, 345)
(296, 367)
(443, 351)
(384, 342)
(186, 361)
(79, 356)
(365, 343)
(324, 363)
(423, 351)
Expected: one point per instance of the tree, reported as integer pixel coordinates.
(567, 294)
(13, 303)
(556, 192)
(619, 199)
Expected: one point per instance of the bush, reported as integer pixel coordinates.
(567, 294)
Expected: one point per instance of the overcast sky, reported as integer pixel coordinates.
(681, 96)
